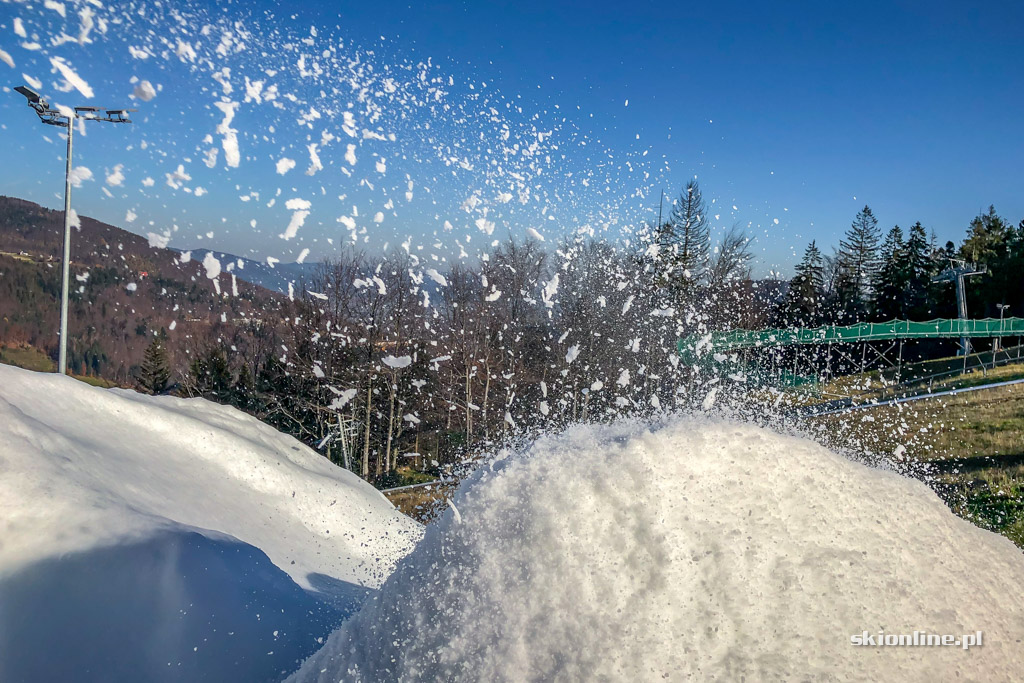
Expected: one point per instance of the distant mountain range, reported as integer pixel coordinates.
(274, 277)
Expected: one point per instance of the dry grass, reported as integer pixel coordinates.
(27, 357)
(423, 503)
(31, 358)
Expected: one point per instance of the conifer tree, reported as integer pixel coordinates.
(155, 373)
(806, 289)
(684, 243)
(890, 280)
(919, 269)
(210, 375)
(858, 251)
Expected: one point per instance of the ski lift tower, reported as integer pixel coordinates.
(957, 271)
(346, 435)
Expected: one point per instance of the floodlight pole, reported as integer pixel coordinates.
(65, 266)
(999, 340)
(66, 119)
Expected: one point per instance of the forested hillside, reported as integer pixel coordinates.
(124, 293)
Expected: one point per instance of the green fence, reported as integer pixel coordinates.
(696, 346)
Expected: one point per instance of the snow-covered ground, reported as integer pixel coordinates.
(163, 539)
(156, 538)
(695, 549)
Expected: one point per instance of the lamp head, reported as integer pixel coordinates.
(31, 95)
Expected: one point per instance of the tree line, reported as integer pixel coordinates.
(385, 362)
(874, 278)
(401, 359)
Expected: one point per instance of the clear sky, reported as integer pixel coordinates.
(799, 113)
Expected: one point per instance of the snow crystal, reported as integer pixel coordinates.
(116, 177)
(158, 241)
(72, 78)
(57, 7)
(176, 179)
(144, 91)
(549, 291)
(284, 164)
(229, 142)
(212, 265)
(300, 209)
(437, 277)
(398, 363)
(572, 353)
(80, 174)
(342, 398)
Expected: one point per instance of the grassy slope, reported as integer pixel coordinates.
(31, 358)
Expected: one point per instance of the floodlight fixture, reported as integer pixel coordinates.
(31, 95)
(65, 118)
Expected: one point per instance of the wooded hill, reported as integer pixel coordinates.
(124, 292)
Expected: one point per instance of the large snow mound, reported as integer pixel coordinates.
(84, 467)
(699, 548)
(161, 539)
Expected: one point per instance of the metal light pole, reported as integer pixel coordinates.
(999, 340)
(65, 118)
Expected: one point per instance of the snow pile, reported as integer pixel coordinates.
(701, 549)
(217, 539)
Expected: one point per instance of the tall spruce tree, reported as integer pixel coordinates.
(155, 373)
(804, 299)
(919, 271)
(890, 280)
(210, 375)
(987, 238)
(684, 243)
(858, 252)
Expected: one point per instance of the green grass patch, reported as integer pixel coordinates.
(27, 357)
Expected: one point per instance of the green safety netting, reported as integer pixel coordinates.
(697, 346)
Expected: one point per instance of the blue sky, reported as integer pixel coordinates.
(799, 113)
